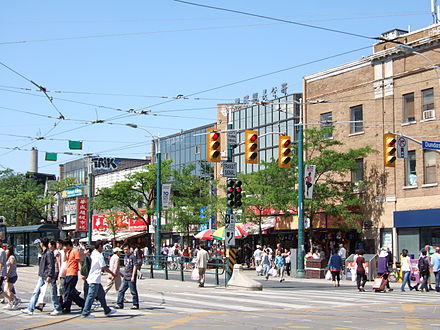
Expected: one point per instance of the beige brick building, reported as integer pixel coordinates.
(391, 90)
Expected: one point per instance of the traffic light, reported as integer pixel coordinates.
(230, 194)
(284, 152)
(389, 149)
(213, 143)
(251, 147)
(237, 193)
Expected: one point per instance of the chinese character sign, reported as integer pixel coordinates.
(82, 210)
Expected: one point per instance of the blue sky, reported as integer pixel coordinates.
(95, 57)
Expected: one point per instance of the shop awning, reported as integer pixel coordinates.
(266, 223)
(32, 229)
(407, 219)
(96, 236)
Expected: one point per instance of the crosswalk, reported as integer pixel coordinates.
(221, 299)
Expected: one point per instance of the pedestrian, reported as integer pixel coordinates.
(280, 264)
(85, 269)
(128, 279)
(62, 273)
(435, 260)
(257, 256)
(343, 254)
(10, 279)
(335, 267)
(288, 258)
(316, 255)
(96, 290)
(202, 264)
(382, 267)
(424, 265)
(266, 262)
(2, 266)
(139, 255)
(114, 266)
(361, 277)
(46, 274)
(72, 258)
(405, 266)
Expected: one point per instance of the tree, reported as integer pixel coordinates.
(194, 202)
(133, 194)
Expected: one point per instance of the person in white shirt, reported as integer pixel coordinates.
(405, 264)
(114, 266)
(94, 279)
(343, 254)
(202, 264)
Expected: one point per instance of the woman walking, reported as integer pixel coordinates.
(11, 278)
(335, 266)
(405, 264)
(361, 277)
(266, 262)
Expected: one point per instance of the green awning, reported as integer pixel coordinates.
(33, 229)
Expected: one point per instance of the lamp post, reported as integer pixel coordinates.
(157, 235)
(408, 50)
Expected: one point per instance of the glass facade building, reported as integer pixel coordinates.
(278, 116)
(184, 148)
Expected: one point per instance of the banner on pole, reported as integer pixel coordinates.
(309, 181)
(166, 194)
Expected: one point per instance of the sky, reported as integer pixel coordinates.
(100, 60)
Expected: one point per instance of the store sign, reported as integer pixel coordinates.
(70, 207)
(105, 164)
(129, 221)
(72, 192)
(82, 214)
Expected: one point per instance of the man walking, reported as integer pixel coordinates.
(115, 268)
(128, 279)
(72, 257)
(202, 264)
(435, 260)
(2, 266)
(94, 280)
(46, 273)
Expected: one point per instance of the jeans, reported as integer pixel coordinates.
(437, 281)
(361, 279)
(266, 269)
(133, 290)
(425, 281)
(70, 293)
(95, 291)
(280, 272)
(36, 293)
(406, 280)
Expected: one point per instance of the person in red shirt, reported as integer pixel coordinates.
(361, 277)
(72, 258)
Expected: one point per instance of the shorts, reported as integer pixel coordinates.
(12, 279)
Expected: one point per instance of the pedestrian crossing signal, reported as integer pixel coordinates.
(389, 150)
(284, 152)
(213, 144)
(251, 147)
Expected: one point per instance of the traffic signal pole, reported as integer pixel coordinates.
(157, 235)
(300, 273)
(229, 210)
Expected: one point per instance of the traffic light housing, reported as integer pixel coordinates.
(389, 150)
(251, 147)
(213, 143)
(233, 193)
(284, 152)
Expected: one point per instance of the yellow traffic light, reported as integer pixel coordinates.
(389, 150)
(213, 144)
(251, 147)
(284, 152)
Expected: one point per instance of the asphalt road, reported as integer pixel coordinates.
(300, 304)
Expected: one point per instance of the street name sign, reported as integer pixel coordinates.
(229, 169)
(232, 137)
(402, 147)
(432, 145)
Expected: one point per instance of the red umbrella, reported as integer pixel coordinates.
(204, 234)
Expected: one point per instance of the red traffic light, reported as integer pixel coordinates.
(215, 136)
(238, 190)
(253, 137)
(286, 143)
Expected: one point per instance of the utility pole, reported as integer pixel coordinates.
(300, 268)
(229, 210)
(158, 202)
(90, 211)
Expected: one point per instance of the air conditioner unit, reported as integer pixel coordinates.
(428, 114)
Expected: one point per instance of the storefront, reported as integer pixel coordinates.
(417, 228)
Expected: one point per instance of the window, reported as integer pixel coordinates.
(408, 108)
(410, 169)
(428, 99)
(198, 149)
(357, 174)
(326, 121)
(356, 117)
(430, 173)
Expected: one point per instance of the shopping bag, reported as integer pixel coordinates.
(273, 272)
(328, 275)
(60, 287)
(259, 269)
(353, 275)
(45, 294)
(195, 274)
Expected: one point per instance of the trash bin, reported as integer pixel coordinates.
(315, 268)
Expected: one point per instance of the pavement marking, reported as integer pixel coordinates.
(409, 308)
(177, 322)
(48, 322)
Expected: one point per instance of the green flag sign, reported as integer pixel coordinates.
(75, 145)
(51, 156)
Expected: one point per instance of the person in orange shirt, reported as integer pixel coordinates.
(72, 258)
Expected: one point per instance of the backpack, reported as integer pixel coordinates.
(423, 265)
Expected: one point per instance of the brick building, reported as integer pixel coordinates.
(393, 90)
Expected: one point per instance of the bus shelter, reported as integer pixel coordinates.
(23, 238)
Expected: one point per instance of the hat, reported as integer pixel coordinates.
(117, 249)
(37, 241)
(258, 246)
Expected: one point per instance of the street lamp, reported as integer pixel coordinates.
(408, 50)
(157, 235)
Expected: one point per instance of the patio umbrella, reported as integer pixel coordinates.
(240, 232)
(204, 234)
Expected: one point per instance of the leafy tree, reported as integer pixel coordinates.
(133, 194)
(193, 201)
